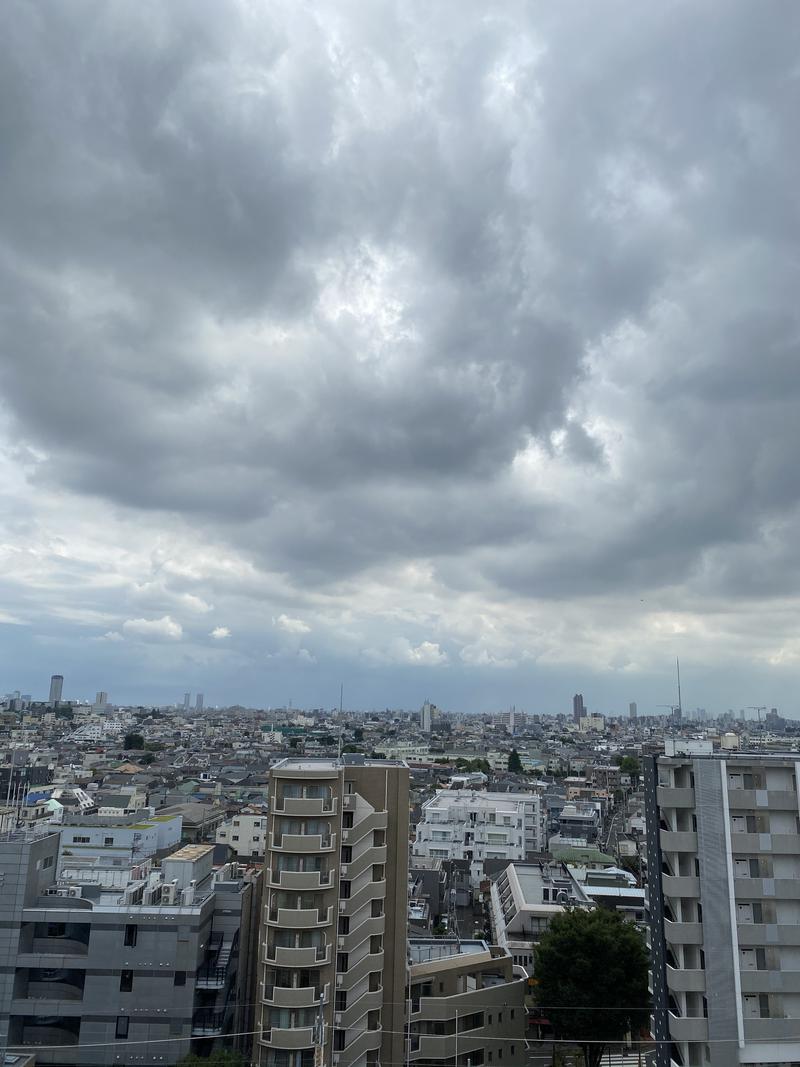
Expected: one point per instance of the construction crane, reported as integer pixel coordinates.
(759, 708)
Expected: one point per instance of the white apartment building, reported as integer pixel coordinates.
(524, 899)
(476, 826)
(723, 897)
(245, 833)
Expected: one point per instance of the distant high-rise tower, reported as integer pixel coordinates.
(198, 704)
(578, 708)
(426, 717)
(187, 699)
(56, 688)
(632, 710)
(101, 699)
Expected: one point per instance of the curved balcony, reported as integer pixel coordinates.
(304, 806)
(370, 1001)
(302, 843)
(686, 980)
(298, 918)
(366, 1041)
(298, 957)
(294, 1038)
(302, 880)
(277, 996)
(373, 961)
(378, 820)
(369, 927)
(357, 866)
(371, 891)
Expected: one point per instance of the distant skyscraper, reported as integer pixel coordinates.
(56, 688)
(426, 717)
(578, 707)
(632, 710)
(102, 698)
(198, 704)
(187, 698)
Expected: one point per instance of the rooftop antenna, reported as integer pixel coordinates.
(680, 705)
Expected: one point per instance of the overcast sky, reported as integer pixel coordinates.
(444, 349)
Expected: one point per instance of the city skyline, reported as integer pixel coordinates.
(441, 353)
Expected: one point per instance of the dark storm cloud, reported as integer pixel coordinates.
(314, 278)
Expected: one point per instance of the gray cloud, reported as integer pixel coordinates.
(507, 297)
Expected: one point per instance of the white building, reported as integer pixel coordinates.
(524, 899)
(463, 824)
(245, 833)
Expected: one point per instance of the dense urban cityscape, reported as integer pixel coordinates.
(293, 887)
(399, 512)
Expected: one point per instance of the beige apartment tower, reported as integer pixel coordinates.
(332, 947)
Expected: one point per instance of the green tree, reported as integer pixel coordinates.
(514, 762)
(630, 765)
(358, 734)
(133, 741)
(591, 974)
(218, 1057)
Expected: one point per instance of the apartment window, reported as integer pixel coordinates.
(108, 840)
(338, 1040)
(130, 935)
(377, 909)
(180, 978)
(341, 962)
(344, 889)
(512, 1013)
(123, 1022)
(344, 924)
(347, 854)
(375, 943)
(126, 981)
(256, 838)
(80, 840)
(341, 1000)
(347, 820)
(235, 837)
(56, 930)
(499, 1017)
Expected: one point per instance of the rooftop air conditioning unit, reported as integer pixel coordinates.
(169, 892)
(151, 894)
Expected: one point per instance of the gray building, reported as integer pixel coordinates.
(123, 970)
(333, 938)
(466, 1002)
(723, 841)
(56, 688)
(578, 708)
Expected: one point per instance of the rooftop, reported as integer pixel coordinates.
(423, 950)
(191, 852)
